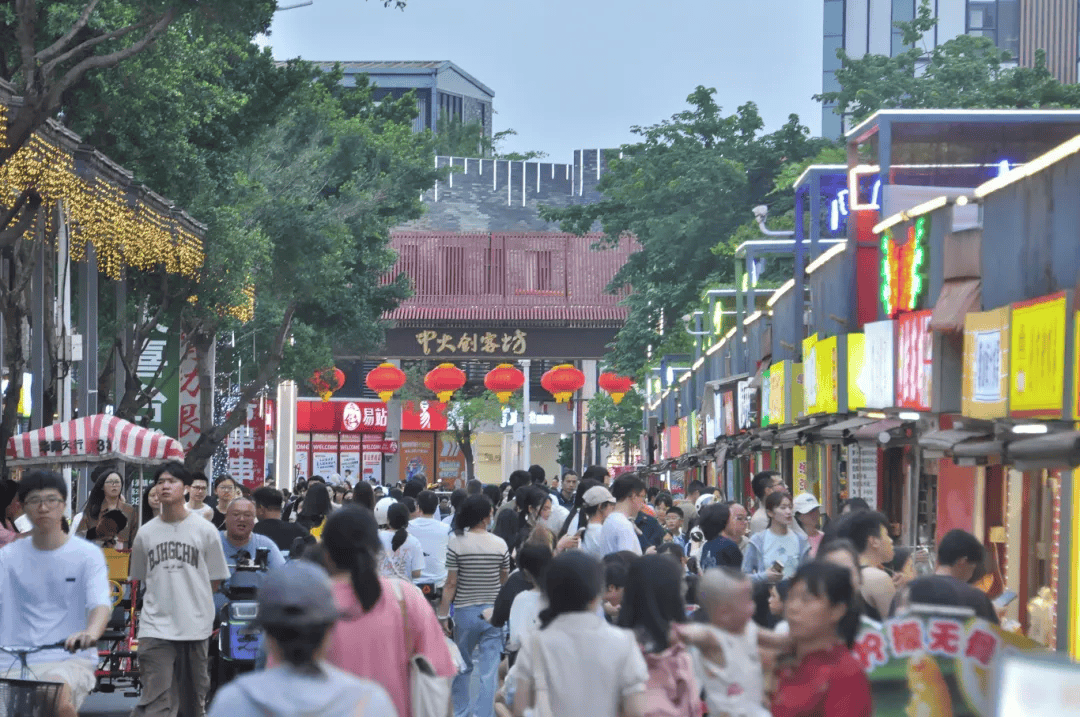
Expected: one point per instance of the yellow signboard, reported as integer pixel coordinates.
(810, 382)
(684, 430)
(986, 364)
(1037, 357)
(800, 470)
(796, 410)
(777, 404)
(827, 383)
(855, 397)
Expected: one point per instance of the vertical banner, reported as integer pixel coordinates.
(914, 367)
(324, 454)
(371, 457)
(162, 351)
(800, 471)
(302, 467)
(247, 448)
(862, 473)
(451, 471)
(1037, 344)
(188, 428)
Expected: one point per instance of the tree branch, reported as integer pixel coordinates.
(25, 33)
(9, 234)
(47, 70)
(51, 51)
(113, 58)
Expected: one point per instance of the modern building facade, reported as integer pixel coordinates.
(443, 90)
(1020, 26)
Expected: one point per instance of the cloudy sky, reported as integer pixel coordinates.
(571, 74)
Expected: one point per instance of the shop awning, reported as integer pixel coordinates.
(1054, 450)
(871, 431)
(92, 438)
(977, 452)
(958, 298)
(842, 430)
(793, 436)
(945, 441)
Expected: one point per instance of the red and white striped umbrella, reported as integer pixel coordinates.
(94, 438)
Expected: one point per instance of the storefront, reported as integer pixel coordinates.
(343, 437)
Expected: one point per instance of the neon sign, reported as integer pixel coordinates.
(903, 268)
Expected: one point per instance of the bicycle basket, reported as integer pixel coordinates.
(28, 698)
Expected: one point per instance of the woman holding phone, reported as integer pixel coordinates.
(776, 553)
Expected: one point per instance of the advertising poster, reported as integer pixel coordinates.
(417, 449)
(877, 379)
(863, 473)
(451, 470)
(914, 360)
(324, 454)
(935, 665)
(349, 457)
(302, 466)
(986, 364)
(1037, 338)
(371, 457)
(855, 347)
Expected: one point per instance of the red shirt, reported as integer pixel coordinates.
(828, 683)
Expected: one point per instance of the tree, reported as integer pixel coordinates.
(689, 181)
(468, 139)
(967, 71)
(617, 423)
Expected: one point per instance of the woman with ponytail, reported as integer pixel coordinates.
(576, 661)
(402, 554)
(371, 640)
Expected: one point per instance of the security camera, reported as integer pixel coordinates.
(761, 212)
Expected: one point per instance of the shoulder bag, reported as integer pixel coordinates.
(429, 694)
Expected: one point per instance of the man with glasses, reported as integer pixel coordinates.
(737, 525)
(764, 484)
(240, 544)
(55, 589)
(178, 557)
(225, 491)
(200, 486)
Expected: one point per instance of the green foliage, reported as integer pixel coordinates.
(566, 452)
(620, 422)
(468, 139)
(688, 182)
(965, 72)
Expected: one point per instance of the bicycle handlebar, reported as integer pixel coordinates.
(17, 650)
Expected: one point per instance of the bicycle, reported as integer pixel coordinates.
(26, 697)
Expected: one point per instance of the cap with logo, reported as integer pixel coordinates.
(598, 495)
(804, 503)
(298, 593)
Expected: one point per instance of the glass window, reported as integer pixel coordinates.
(1008, 26)
(829, 46)
(829, 82)
(903, 10)
(834, 18)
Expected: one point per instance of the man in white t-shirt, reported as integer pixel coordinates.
(618, 532)
(434, 535)
(200, 486)
(179, 558)
(55, 588)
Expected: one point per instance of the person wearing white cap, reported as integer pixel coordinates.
(599, 502)
(296, 612)
(808, 520)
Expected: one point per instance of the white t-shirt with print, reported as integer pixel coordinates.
(402, 562)
(178, 561)
(783, 549)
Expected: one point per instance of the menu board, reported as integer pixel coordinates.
(863, 473)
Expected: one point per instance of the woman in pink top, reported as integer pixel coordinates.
(370, 638)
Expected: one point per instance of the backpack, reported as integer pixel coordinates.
(672, 690)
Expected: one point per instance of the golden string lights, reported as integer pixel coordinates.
(123, 233)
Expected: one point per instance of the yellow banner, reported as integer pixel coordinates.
(777, 404)
(986, 364)
(800, 470)
(856, 398)
(1037, 342)
(810, 382)
(827, 384)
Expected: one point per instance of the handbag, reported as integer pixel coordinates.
(429, 694)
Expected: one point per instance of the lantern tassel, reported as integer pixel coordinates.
(385, 396)
(503, 396)
(444, 396)
(325, 395)
(617, 398)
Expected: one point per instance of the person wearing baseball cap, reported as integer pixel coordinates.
(296, 612)
(807, 511)
(599, 502)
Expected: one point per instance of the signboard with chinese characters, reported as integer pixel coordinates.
(341, 416)
(800, 470)
(934, 664)
(157, 367)
(824, 362)
(904, 266)
(778, 403)
(766, 397)
(423, 416)
(914, 360)
(856, 346)
(747, 404)
(188, 427)
(986, 364)
(1037, 357)
(862, 470)
(877, 379)
(727, 404)
(502, 342)
(247, 445)
(371, 456)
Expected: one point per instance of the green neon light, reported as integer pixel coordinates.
(887, 272)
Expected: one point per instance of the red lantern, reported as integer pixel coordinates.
(326, 381)
(562, 381)
(384, 379)
(503, 380)
(444, 379)
(617, 386)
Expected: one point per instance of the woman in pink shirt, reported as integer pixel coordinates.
(370, 638)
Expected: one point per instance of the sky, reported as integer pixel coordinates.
(572, 74)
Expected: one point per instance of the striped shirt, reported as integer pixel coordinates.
(479, 559)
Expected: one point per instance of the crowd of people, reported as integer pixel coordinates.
(575, 596)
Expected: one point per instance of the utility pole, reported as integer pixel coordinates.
(526, 449)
